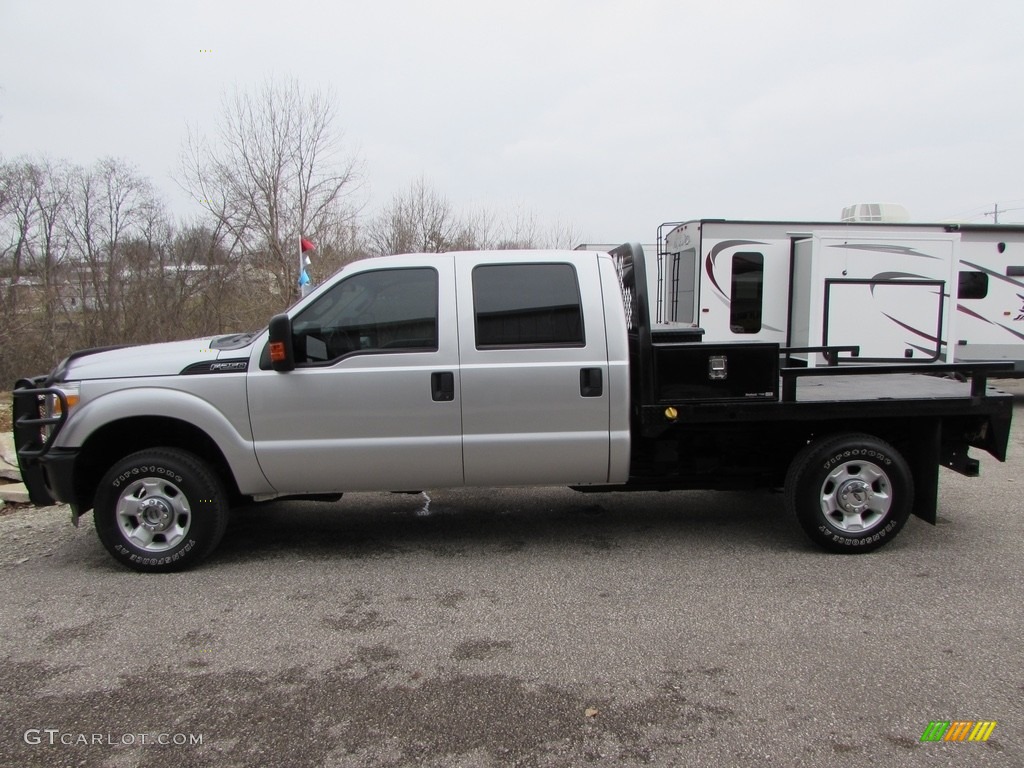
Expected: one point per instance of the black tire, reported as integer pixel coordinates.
(160, 510)
(851, 493)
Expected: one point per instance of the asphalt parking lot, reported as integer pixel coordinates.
(534, 628)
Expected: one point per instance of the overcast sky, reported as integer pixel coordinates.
(613, 116)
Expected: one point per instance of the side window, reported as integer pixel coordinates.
(527, 305)
(389, 310)
(747, 293)
(972, 285)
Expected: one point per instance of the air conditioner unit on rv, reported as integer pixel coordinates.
(886, 212)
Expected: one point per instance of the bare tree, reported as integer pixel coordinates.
(110, 206)
(422, 220)
(19, 223)
(32, 252)
(89, 256)
(51, 194)
(419, 220)
(16, 219)
(519, 229)
(561, 234)
(275, 173)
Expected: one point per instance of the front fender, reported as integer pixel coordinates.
(222, 414)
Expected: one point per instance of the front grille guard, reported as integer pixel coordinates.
(30, 436)
(32, 439)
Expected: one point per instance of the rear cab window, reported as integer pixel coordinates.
(527, 305)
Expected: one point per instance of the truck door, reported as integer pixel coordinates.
(374, 400)
(535, 400)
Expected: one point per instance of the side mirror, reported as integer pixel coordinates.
(282, 357)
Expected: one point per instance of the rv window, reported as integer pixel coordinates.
(972, 285)
(1013, 271)
(747, 292)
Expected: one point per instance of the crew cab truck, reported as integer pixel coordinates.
(499, 368)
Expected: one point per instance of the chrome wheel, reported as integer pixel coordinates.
(153, 514)
(160, 509)
(851, 492)
(856, 496)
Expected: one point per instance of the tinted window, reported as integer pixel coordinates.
(747, 293)
(527, 305)
(972, 285)
(391, 310)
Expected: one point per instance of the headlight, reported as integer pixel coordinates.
(70, 390)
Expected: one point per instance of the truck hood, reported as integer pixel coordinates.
(167, 359)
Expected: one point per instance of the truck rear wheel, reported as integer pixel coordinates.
(160, 510)
(851, 493)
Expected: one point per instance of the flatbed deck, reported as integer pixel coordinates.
(898, 386)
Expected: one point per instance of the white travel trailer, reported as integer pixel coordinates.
(901, 292)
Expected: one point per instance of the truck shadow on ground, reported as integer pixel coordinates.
(471, 523)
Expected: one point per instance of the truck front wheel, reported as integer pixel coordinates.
(160, 510)
(851, 493)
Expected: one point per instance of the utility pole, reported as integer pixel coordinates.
(996, 211)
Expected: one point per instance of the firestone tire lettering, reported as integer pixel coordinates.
(194, 492)
(135, 472)
(813, 467)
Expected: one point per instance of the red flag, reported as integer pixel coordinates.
(307, 245)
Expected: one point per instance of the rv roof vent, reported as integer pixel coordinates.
(887, 212)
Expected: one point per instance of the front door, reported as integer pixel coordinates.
(374, 401)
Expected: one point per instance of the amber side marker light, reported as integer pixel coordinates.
(277, 351)
(72, 401)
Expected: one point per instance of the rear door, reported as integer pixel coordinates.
(534, 369)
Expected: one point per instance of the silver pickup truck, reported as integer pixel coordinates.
(498, 368)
